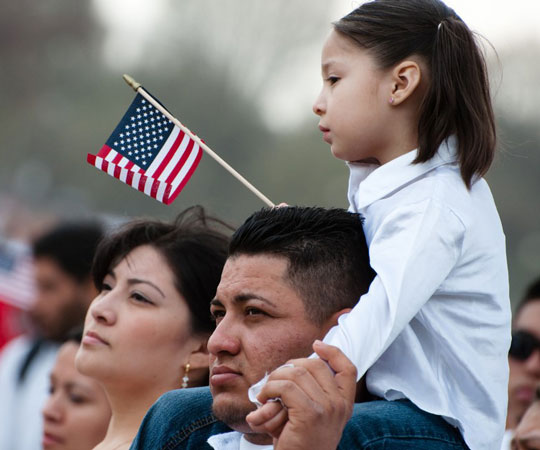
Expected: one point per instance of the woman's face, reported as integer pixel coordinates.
(77, 412)
(137, 331)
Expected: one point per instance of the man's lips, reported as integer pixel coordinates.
(92, 338)
(524, 394)
(221, 375)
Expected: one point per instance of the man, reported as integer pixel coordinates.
(62, 262)
(524, 358)
(291, 273)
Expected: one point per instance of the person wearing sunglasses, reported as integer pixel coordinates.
(523, 359)
(527, 435)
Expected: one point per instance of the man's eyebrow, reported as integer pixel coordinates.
(243, 298)
(138, 280)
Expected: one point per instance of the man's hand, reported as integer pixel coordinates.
(317, 403)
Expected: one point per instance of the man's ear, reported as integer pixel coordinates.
(406, 77)
(333, 319)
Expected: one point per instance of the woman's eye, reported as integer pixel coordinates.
(105, 287)
(77, 399)
(140, 298)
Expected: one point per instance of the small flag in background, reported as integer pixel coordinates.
(16, 274)
(149, 153)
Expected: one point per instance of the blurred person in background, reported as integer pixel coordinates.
(64, 289)
(77, 412)
(524, 359)
(527, 436)
(147, 329)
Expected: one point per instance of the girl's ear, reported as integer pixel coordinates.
(406, 77)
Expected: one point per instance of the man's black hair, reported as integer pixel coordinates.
(326, 250)
(71, 246)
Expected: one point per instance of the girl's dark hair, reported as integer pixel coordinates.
(195, 247)
(458, 99)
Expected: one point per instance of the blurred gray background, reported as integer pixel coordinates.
(242, 74)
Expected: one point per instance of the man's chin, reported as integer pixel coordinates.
(232, 412)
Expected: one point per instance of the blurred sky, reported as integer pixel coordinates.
(292, 91)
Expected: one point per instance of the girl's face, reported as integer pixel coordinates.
(137, 332)
(77, 412)
(353, 104)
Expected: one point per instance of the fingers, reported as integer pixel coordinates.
(269, 419)
(345, 378)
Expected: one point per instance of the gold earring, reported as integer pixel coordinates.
(185, 378)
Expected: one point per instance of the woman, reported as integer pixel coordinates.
(77, 412)
(146, 331)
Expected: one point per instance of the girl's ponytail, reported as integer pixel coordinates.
(458, 99)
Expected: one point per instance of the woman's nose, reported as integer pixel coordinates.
(102, 308)
(52, 411)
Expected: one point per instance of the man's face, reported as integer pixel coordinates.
(261, 324)
(61, 301)
(527, 435)
(524, 375)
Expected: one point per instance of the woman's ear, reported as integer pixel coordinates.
(198, 358)
(406, 77)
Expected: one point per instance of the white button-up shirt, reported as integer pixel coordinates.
(435, 324)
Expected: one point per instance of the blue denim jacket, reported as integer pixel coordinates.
(183, 420)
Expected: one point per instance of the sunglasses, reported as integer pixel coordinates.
(523, 345)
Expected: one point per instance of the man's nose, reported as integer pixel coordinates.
(224, 339)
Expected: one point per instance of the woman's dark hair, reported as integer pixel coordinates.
(458, 99)
(195, 247)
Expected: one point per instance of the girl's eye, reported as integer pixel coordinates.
(332, 80)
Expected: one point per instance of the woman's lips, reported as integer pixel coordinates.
(51, 439)
(92, 338)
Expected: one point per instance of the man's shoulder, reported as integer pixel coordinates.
(179, 420)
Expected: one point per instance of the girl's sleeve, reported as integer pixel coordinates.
(412, 251)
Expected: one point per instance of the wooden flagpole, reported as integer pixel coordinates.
(138, 88)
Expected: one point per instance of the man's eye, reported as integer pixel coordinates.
(217, 314)
(253, 312)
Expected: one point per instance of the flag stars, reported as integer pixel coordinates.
(127, 127)
(132, 118)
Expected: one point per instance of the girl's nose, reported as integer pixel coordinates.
(318, 105)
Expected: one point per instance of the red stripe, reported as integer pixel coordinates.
(117, 159)
(168, 200)
(129, 177)
(169, 156)
(104, 151)
(91, 159)
(181, 163)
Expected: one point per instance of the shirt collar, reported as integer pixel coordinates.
(370, 182)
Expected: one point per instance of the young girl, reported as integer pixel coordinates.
(405, 101)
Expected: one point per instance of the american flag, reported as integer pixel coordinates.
(149, 153)
(16, 274)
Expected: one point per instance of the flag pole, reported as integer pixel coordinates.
(138, 88)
